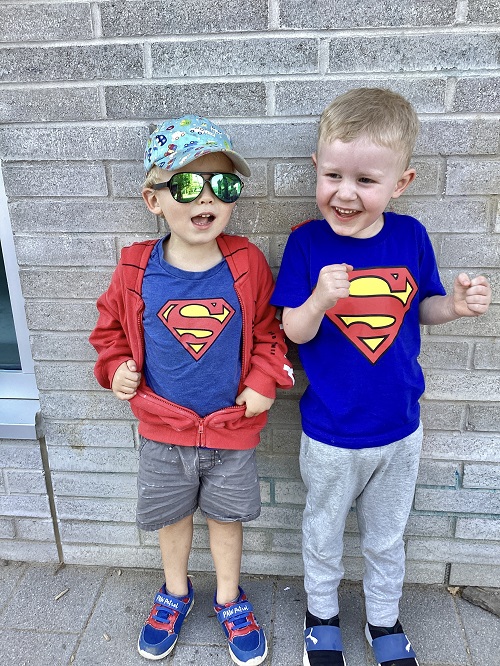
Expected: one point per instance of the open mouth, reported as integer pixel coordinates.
(345, 213)
(203, 220)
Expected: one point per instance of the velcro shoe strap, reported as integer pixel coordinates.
(234, 612)
(392, 648)
(171, 602)
(323, 637)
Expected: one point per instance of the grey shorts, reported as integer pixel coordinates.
(173, 481)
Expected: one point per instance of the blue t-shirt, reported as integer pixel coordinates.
(364, 378)
(192, 334)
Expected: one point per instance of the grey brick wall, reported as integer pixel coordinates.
(26, 525)
(81, 83)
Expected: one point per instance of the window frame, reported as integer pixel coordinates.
(19, 402)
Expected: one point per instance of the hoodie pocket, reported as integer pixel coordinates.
(235, 419)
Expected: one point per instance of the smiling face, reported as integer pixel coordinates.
(198, 223)
(355, 182)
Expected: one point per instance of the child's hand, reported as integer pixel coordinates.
(333, 284)
(126, 380)
(471, 297)
(255, 402)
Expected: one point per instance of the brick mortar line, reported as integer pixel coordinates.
(83, 234)
(461, 11)
(273, 16)
(320, 76)
(16, 3)
(366, 32)
(95, 17)
(248, 121)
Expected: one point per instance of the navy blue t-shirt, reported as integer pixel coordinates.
(364, 378)
(192, 334)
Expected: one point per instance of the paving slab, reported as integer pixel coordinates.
(10, 575)
(96, 622)
(113, 629)
(286, 636)
(36, 648)
(200, 655)
(287, 643)
(482, 631)
(35, 603)
(433, 625)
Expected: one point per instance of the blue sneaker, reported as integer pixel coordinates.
(161, 630)
(246, 640)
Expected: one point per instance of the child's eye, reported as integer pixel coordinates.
(333, 175)
(366, 180)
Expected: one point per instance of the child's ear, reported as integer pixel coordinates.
(151, 200)
(406, 178)
(315, 160)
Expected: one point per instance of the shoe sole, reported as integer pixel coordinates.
(370, 641)
(255, 661)
(156, 657)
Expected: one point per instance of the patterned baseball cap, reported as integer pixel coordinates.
(179, 141)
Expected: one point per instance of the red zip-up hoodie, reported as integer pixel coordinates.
(118, 337)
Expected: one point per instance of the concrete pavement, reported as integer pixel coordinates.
(91, 616)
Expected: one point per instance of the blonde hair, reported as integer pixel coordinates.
(383, 116)
(153, 176)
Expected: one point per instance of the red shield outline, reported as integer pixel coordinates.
(373, 313)
(196, 324)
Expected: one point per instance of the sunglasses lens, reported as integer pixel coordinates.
(185, 187)
(226, 186)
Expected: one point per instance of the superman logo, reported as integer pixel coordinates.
(373, 313)
(196, 324)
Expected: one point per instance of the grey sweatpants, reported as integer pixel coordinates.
(381, 481)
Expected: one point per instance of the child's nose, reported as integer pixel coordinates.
(206, 194)
(346, 190)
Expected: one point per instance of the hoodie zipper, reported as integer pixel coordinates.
(200, 441)
(201, 434)
(140, 326)
(244, 369)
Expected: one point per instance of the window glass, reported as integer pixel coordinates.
(9, 351)
(19, 403)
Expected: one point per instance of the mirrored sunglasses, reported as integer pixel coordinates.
(186, 187)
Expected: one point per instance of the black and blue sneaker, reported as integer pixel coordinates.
(161, 630)
(322, 641)
(391, 645)
(246, 640)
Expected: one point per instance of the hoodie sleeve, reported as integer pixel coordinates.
(269, 366)
(108, 337)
